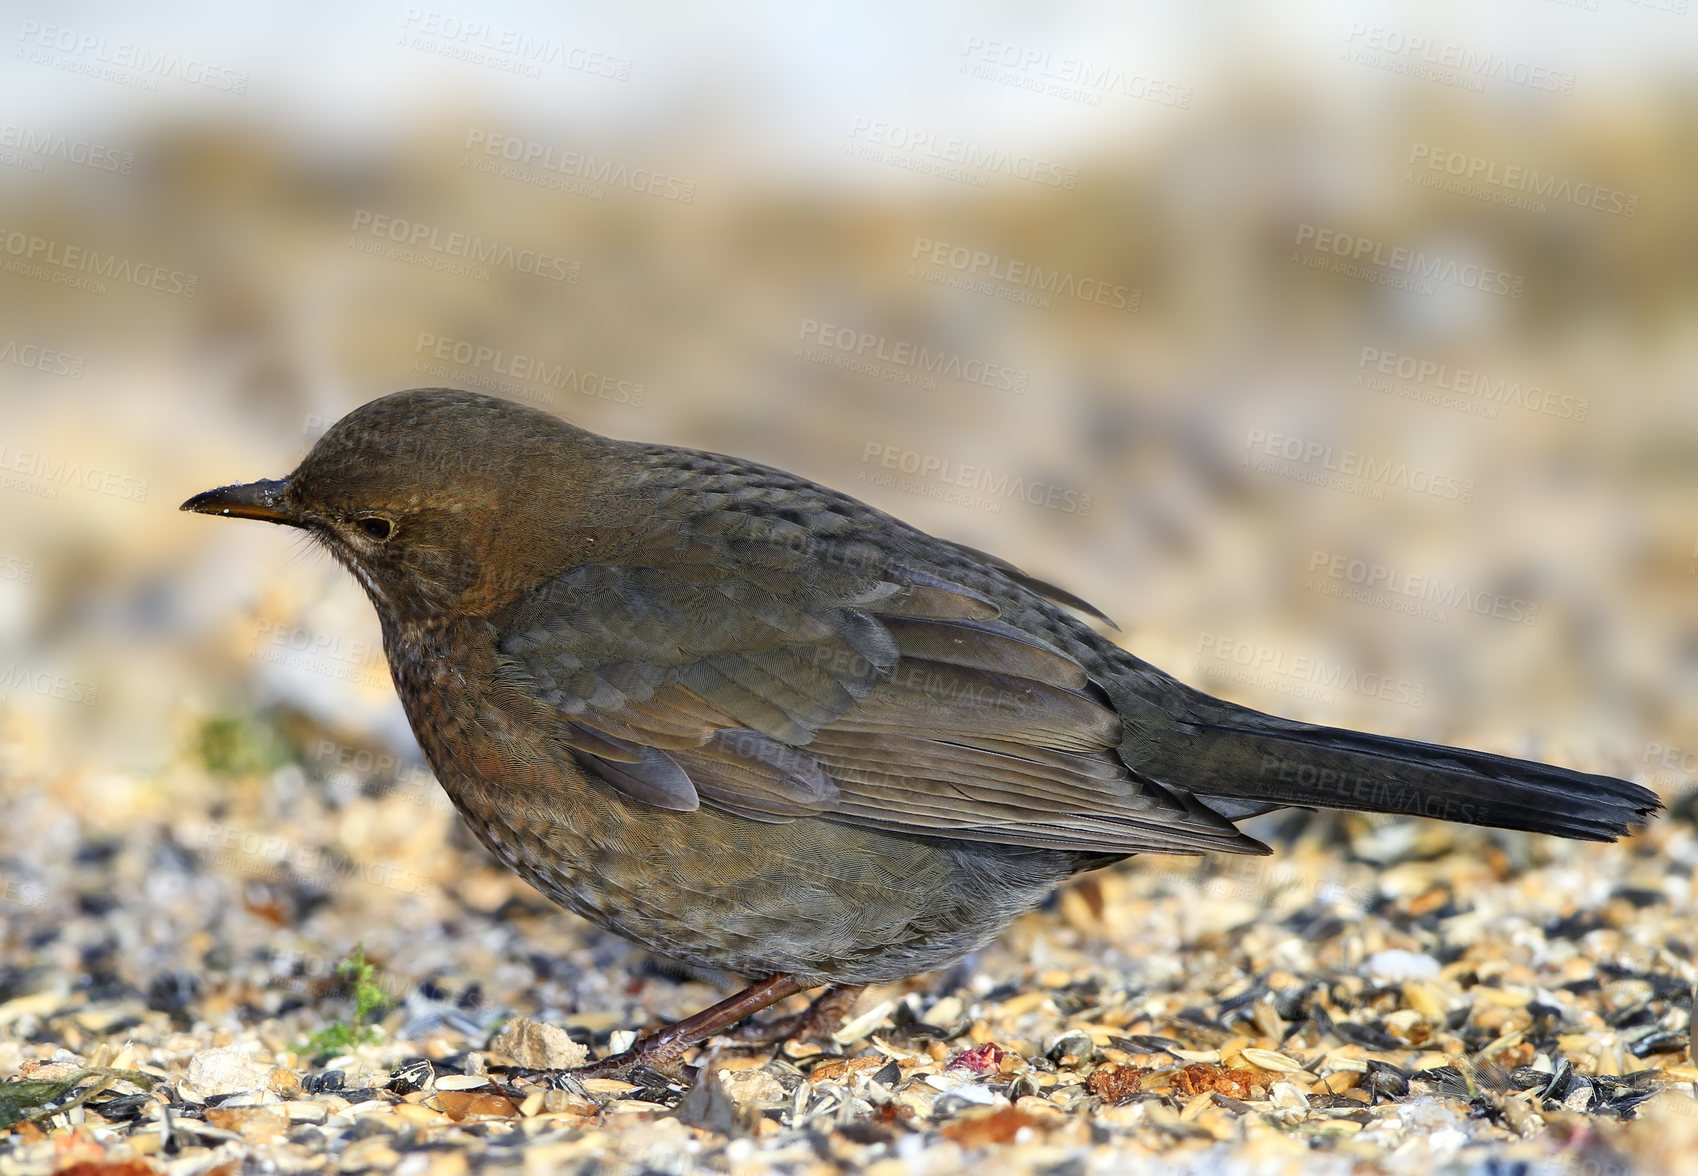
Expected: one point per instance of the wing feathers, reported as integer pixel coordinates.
(926, 697)
(655, 779)
(986, 646)
(755, 675)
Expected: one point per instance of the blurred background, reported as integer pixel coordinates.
(1345, 357)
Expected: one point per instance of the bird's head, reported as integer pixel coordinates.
(437, 500)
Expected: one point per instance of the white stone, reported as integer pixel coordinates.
(536, 1045)
(225, 1071)
(753, 1088)
(1397, 964)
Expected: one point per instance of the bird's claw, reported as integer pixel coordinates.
(639, 1067)
(819, 1020)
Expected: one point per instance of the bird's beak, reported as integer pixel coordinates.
(249, 500)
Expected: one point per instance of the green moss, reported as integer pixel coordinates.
(239, 745)
(339, 1036)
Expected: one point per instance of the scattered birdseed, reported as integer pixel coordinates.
(1448, 998)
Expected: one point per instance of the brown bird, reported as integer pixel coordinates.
(744, 720)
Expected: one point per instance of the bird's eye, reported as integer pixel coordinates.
(375, 526)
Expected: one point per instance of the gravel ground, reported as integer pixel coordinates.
(183, 952)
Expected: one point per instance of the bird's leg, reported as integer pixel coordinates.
(822, 1018)
(664, 1048)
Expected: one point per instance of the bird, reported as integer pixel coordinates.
(755, 724)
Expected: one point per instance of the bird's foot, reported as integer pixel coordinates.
(637, 1065)
(648, 1071)
(822, 1018)
(662, 1051)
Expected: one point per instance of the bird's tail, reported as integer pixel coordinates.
(1254, 762)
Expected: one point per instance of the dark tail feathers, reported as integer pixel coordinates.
(1257, 762)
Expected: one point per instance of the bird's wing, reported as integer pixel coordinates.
(1026, 580)
(768, 672)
